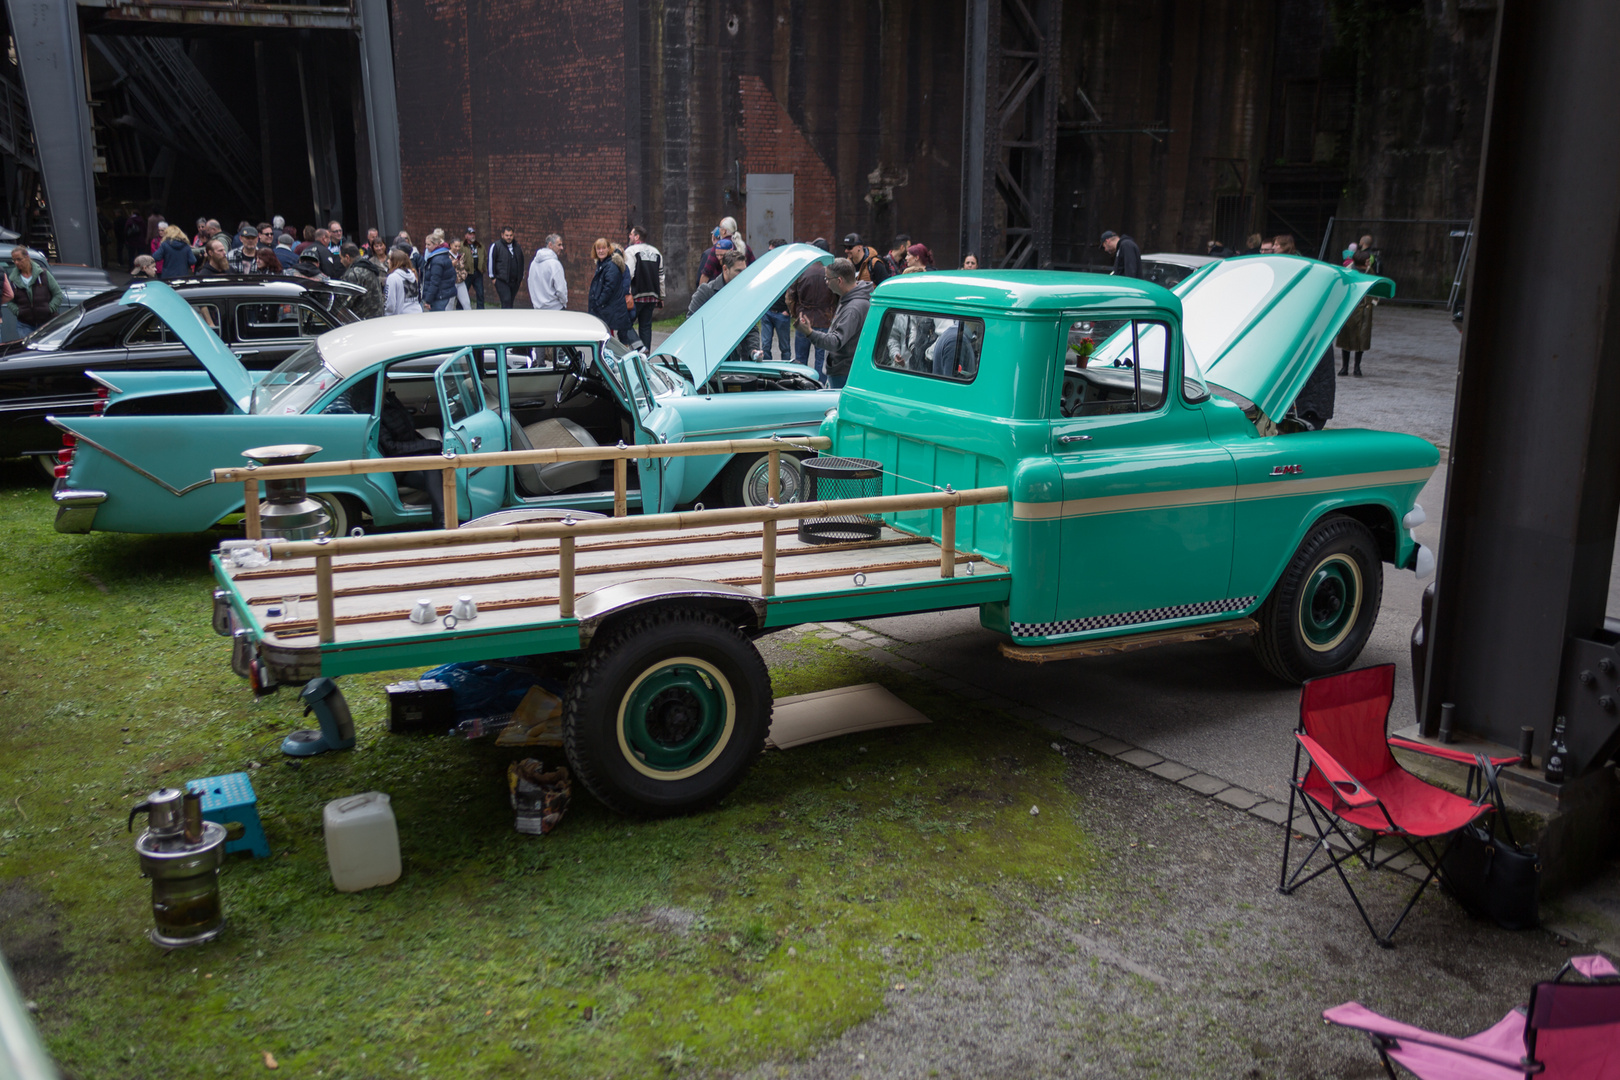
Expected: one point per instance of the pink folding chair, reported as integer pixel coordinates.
(1352, 782)
(1569, 1031)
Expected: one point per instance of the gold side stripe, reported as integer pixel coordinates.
(1161, 500)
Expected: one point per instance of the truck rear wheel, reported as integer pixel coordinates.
(1318, 617)
(666, 712)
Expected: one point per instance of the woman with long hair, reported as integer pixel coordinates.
(918, 259)
(402, 294)
(610, 292)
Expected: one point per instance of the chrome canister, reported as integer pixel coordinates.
(288, 513)
(184, 873)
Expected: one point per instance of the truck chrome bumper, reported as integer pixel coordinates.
(75, 509)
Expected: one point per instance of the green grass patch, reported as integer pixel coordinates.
(612, 947)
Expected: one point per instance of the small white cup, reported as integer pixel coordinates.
(464, 609)
(424, 611)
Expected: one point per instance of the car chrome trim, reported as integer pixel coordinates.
(54, 403)
(104, 381)
(130, 465)
(75, 509)
(1266, 489)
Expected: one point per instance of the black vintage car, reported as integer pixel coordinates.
(263, 320)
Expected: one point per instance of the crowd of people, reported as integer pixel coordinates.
(815, 322)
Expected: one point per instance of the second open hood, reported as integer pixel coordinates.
(1259, 324)
(222, 365)
(705, 339)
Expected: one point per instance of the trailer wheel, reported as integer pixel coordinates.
(666, 712)
(1318, 617)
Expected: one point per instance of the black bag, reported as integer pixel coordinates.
(1493, 877)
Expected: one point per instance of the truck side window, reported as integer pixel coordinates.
(921, 343)
(1124, 373)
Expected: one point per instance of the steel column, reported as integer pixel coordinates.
(46, 33)
(981, 127)
(1533, 490)
(382, 114)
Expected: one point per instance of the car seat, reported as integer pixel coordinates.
(556, 434)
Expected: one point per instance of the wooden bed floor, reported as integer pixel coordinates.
(516, 584)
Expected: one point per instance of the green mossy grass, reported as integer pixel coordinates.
(751, 932)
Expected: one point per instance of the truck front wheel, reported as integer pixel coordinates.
(1318, 617)
(667, 712)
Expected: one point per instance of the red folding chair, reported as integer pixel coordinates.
(1352, 781)
(1569, 1031)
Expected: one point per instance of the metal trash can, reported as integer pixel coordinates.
(840, 478)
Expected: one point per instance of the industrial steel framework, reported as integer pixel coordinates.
(50, 52)
(1519, 633)
(1010, 128)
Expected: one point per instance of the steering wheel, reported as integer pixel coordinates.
(1074, 395)
(572, 368)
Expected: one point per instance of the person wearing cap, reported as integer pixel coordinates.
(868, 263)
(244, 259)
(284, 251)
(1127, 256)
(308, 266)
(473, 259)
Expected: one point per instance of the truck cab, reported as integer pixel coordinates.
(1146, 492)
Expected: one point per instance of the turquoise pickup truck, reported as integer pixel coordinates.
(1086, 496)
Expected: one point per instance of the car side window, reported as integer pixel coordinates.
(1122, 374)
(937, 346)
(280, 322)
(461, 386)
(152, 330)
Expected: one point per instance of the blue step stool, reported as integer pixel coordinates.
(230, 798)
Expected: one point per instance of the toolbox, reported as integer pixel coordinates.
(421, 706)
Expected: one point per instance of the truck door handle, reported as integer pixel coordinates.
(477, 441)
(1066, 439)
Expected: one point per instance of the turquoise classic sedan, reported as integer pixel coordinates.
(476, 381)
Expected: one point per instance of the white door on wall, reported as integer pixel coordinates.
(770, 209)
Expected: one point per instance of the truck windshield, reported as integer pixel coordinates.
(294, 384)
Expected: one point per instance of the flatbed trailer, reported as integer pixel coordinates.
(668, 700)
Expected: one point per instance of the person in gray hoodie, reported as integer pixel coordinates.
(854, 300)
(548, 286)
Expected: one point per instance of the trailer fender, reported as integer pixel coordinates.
(595, 609)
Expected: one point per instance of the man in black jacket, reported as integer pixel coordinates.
(506, 266)
(397, 437)
(1127, 256)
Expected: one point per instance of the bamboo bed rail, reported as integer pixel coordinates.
(567, 531)
(447, 464)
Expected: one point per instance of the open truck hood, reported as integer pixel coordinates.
(222, 365)
(704, 340)
(1258, 324)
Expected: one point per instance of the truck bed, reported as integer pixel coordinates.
(515, 587)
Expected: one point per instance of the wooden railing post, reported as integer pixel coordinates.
(452, 513)
(947, 541)
(767, 557)
(325, 623)
(250, 507)
(621, 486)
(565, 577)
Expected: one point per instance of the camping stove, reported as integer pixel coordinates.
(182, 854)
(288, 513)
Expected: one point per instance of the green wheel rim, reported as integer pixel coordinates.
(1330, 602)
(676, 718)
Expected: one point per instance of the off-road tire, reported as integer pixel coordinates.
(743, 481)
(709, 721)
(1322, 610)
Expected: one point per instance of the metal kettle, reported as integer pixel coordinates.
(181, 853)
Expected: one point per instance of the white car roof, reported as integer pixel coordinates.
(357, 346)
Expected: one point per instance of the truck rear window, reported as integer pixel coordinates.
(936, 346)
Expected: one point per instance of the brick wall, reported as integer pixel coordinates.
(773, 143)
(512, 113)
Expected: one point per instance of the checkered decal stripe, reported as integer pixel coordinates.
(1130, 618)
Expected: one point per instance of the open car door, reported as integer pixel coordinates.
(660, 478)
(471, 427)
